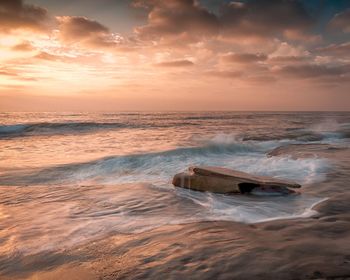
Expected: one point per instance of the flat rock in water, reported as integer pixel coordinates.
(223, 180)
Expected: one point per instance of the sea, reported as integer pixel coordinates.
(71, 178)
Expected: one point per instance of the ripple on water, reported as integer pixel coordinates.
(71, 215)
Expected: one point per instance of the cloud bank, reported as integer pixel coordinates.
(251, 45)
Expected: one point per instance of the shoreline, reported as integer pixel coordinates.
(315, 247)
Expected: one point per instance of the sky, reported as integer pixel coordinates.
(174, 55)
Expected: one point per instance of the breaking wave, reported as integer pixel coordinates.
(120, 188)
(55, 128)
(158, 167)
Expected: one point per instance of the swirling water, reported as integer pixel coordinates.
(67, 178)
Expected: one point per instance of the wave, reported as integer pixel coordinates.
(46, 128)
(328, 131)
(332, 129)
(158, 167)
(301, 135)
(12, 129)
(133, 193)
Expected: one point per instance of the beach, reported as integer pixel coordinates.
(89, 196)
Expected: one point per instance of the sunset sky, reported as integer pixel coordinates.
(125, 55)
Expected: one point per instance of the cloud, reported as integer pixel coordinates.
(248, 79)
(224, 74)
(336, 49)
(243, 57)
(62, 57)
(300, 35)
(14, 75)
(307, 71)
(262, 79)
(265, 18)
(48, 56)
(175, 17)
(23, 47)
(16, 15)
(74, 28)
(8, 73)
(175, 63)
(289, 59)
(341, 22)
(168, 21)
(285, 52)
(86, 32)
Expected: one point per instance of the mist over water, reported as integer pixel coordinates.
(68, 178)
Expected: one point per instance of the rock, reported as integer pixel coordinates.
(223, 180)
(305, 150)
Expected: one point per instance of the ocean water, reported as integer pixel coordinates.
(68, 178)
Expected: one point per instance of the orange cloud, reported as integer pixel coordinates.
(16, 15)
(23, 47)
(307, 71)
(175, 63)
(341, 50)
(86, 32)
(225, 74)
(289, 59)
(7, 73)
(243, 57)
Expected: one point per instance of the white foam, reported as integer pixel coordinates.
(159, 170)
(328, 125)
(252, 209)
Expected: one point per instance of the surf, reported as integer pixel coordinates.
(56, 128)
(159, 167)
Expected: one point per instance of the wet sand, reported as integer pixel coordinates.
(308, 248)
